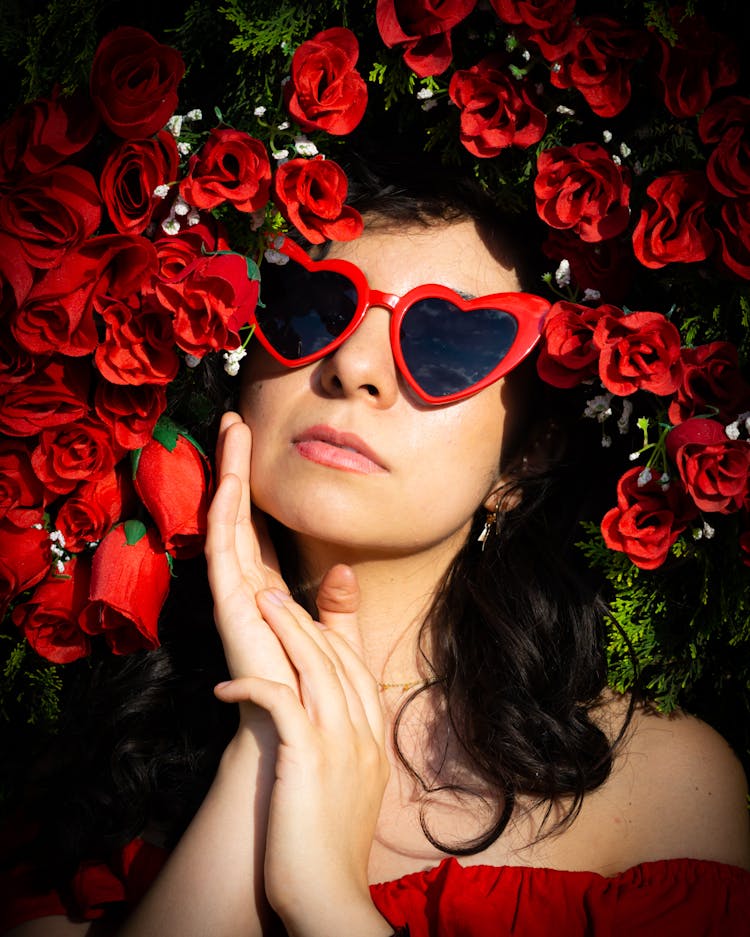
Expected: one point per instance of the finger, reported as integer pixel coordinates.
(224, 572)
(338, 601)
(278, 699)
(323, 693)
(227, 418)
(356, 675)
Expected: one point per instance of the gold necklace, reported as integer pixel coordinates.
(402, 686)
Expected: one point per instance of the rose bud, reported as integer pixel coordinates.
(24, 559)
(49, 619)
(129, 584)
(171, 478)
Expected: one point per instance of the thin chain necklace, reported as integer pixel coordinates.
(403, 687)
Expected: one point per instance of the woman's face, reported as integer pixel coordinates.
(418, 472)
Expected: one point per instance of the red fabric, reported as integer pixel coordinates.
(669, 898)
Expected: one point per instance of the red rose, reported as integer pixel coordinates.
(648, 519)
(51, 213)
(231, 167)
(24, 559)
(131, 174)
(58, 314)
(423, 28)
(496, 110)
(673, 229)
(726, 124)
(138, 346)
(125, 264)
(536, 14)
(129, 583)
(696, 65)
(16, 277)
(559, 41)
(55, 394)
(599, 64)
(211, 300)
(66, 455)
(49, 619)
(134, 82)
(130, 411)
(640, 351)
(44, 133)
(583, 189)
(605, 266)
(311, 194)
(176, 252)
(171, 479)
(711, 380)
(94, 507)
(21, 492)
(714, 469)
(734, 235)
(568, 355)
(326, 92)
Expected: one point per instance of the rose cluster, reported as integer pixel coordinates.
(702, 460)
(115, 280)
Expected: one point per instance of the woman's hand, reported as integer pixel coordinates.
(241, 562)
(331, 770)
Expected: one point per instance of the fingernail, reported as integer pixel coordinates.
(276, 596)
(220, 686)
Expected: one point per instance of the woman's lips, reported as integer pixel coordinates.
(345, 451)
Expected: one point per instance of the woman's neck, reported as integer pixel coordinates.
(396, 595)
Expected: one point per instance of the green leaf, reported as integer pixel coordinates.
(166, 432)
(134, 531)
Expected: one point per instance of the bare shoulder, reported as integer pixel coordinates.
(682, 789)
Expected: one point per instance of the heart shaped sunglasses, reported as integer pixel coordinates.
(446, 347)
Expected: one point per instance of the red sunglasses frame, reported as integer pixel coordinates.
(527, 309)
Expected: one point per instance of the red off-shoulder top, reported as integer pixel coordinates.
(668, 898)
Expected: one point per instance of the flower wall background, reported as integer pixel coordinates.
(622, 127)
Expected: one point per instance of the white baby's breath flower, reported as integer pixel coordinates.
(232, 361)
(60, 566)
(526, 55)
(428, 105)
(634, 456)
(645, 477)
(708, 530)
(284, 125)
(195, 114)
(616, 160)
(192, 361)
(280, 155)
(591, 296)
(256, 219)
(424, 93)
(184, 148)
(180, 207)
(606, 441)
(562, 109)
(305, 147)
(259, 111)
(733, 430)
(275, 257)
(606, 135)
(193, 217)
(623, 424)
(599, 407)
(161, 191)
(556, 67)
(625, 150)
(174, 125)
(562, 274)
(664, 480)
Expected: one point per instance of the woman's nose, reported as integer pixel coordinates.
(364, 364)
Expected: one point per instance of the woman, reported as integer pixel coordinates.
(451, 695)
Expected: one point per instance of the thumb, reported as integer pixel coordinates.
(338, 603)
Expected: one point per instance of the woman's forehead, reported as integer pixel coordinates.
(396, 257)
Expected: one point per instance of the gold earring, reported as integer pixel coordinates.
(490, 525)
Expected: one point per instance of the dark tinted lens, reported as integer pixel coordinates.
(303, 311)
(448, 350)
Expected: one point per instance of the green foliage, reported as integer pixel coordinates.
(30, 687)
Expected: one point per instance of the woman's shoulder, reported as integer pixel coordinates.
(679, 790)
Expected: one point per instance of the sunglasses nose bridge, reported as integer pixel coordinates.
(378, 298)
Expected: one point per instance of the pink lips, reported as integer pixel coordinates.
(345, 451)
